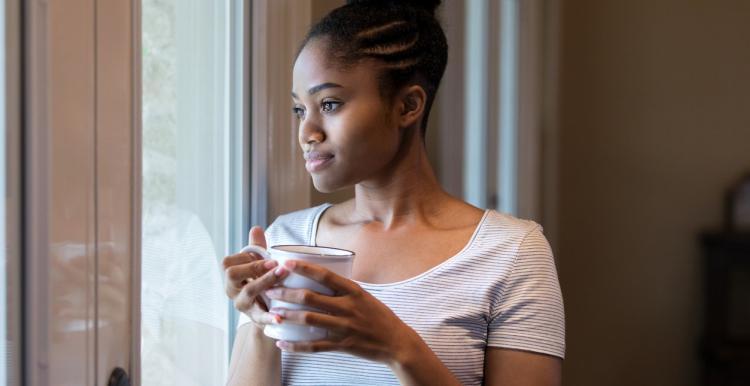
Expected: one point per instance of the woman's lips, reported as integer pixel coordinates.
(317, 161)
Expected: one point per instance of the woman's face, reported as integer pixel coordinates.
(347, 131)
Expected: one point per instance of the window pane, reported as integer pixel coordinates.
(186, 175)
(3, 285)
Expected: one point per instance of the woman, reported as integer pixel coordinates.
(442, 292)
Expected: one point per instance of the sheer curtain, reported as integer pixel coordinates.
(187, 181)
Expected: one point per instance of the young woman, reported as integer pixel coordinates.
(442, 293)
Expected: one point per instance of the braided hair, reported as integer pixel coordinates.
(403, 37)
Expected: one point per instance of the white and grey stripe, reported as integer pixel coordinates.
(501, 290)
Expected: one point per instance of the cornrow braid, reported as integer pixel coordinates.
(403, 37)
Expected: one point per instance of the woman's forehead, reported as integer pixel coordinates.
(314, 67)
(312, 62)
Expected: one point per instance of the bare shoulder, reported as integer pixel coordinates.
(455, 213)
(337, 214)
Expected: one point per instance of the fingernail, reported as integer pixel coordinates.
(282, 345)
(276, 319)
(289, 264)
(270, 264)
(278, 311)
(279, 271)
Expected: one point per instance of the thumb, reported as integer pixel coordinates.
(257, 237)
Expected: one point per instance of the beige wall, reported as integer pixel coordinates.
(655, 123)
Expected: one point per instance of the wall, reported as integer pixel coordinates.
(654, 125)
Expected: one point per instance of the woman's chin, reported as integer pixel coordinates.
(325, 185)
(322, 188)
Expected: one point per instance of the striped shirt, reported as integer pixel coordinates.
(501, 290)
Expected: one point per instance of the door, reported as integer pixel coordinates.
(79, 202)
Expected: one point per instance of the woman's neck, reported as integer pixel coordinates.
(407, 192)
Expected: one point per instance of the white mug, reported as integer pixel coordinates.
(338, 261)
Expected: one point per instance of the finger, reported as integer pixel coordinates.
(240, 272)
(311, 318)
(268, 280)
(308, 298)
(246, 293)
(257, 237)
(309, 347)
(261, 317)
(243, 302)
(239, 258)
(338, 284)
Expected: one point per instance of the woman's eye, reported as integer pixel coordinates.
(298, 112)
(329, 106)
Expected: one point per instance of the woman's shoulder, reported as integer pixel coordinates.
(510, 223)
(295, 227)
(503, 230)
(302, 215)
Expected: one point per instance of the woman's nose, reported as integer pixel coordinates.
(310, 132)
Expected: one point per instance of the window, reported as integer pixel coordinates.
(10, 289)
(192, 207)
(3, 295)
(491, 104)
(499, 66)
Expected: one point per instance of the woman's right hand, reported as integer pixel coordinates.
(247, 275)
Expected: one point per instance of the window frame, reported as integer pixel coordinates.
(13, 193)
(137, 186)
(34, 158)
(240, 152)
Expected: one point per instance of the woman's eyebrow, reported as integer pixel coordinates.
(316, 89)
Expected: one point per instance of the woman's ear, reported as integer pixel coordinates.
(412, 105)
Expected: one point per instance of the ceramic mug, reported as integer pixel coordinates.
(338, 261)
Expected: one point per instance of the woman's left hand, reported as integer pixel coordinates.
(356, 321)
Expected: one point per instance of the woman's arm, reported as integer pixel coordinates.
(419, 365)
(505, 367)
(255, 359)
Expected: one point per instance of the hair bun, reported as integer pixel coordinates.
(428, 5)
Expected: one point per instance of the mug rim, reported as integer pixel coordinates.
(347, 253)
